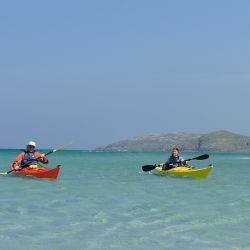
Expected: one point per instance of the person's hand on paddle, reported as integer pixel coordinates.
(17, 165)
(185, 163)
(42, 158)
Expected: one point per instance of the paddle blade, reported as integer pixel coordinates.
(148, 167)
(201, 157)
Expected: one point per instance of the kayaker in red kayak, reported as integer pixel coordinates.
(29, 157)
(174, 160)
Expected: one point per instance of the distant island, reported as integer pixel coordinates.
(218, 141)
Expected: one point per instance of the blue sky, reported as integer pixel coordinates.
(94, 72)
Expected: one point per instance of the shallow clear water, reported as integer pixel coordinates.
(102, 200)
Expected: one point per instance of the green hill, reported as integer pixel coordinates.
(222, 141)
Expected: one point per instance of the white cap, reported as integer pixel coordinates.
(31, 143)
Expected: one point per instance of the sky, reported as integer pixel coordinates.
(95, 72)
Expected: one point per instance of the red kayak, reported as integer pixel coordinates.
(39, 172)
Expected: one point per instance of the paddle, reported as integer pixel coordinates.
(25, 166)
(151, 167)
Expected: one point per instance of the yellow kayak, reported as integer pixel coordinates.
(185, 171)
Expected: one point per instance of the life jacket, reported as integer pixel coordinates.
(175, 160)
(29, 158)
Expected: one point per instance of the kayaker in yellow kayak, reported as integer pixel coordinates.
(29, 157)
(175, 160)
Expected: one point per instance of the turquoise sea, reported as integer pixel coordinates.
(103, 200)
